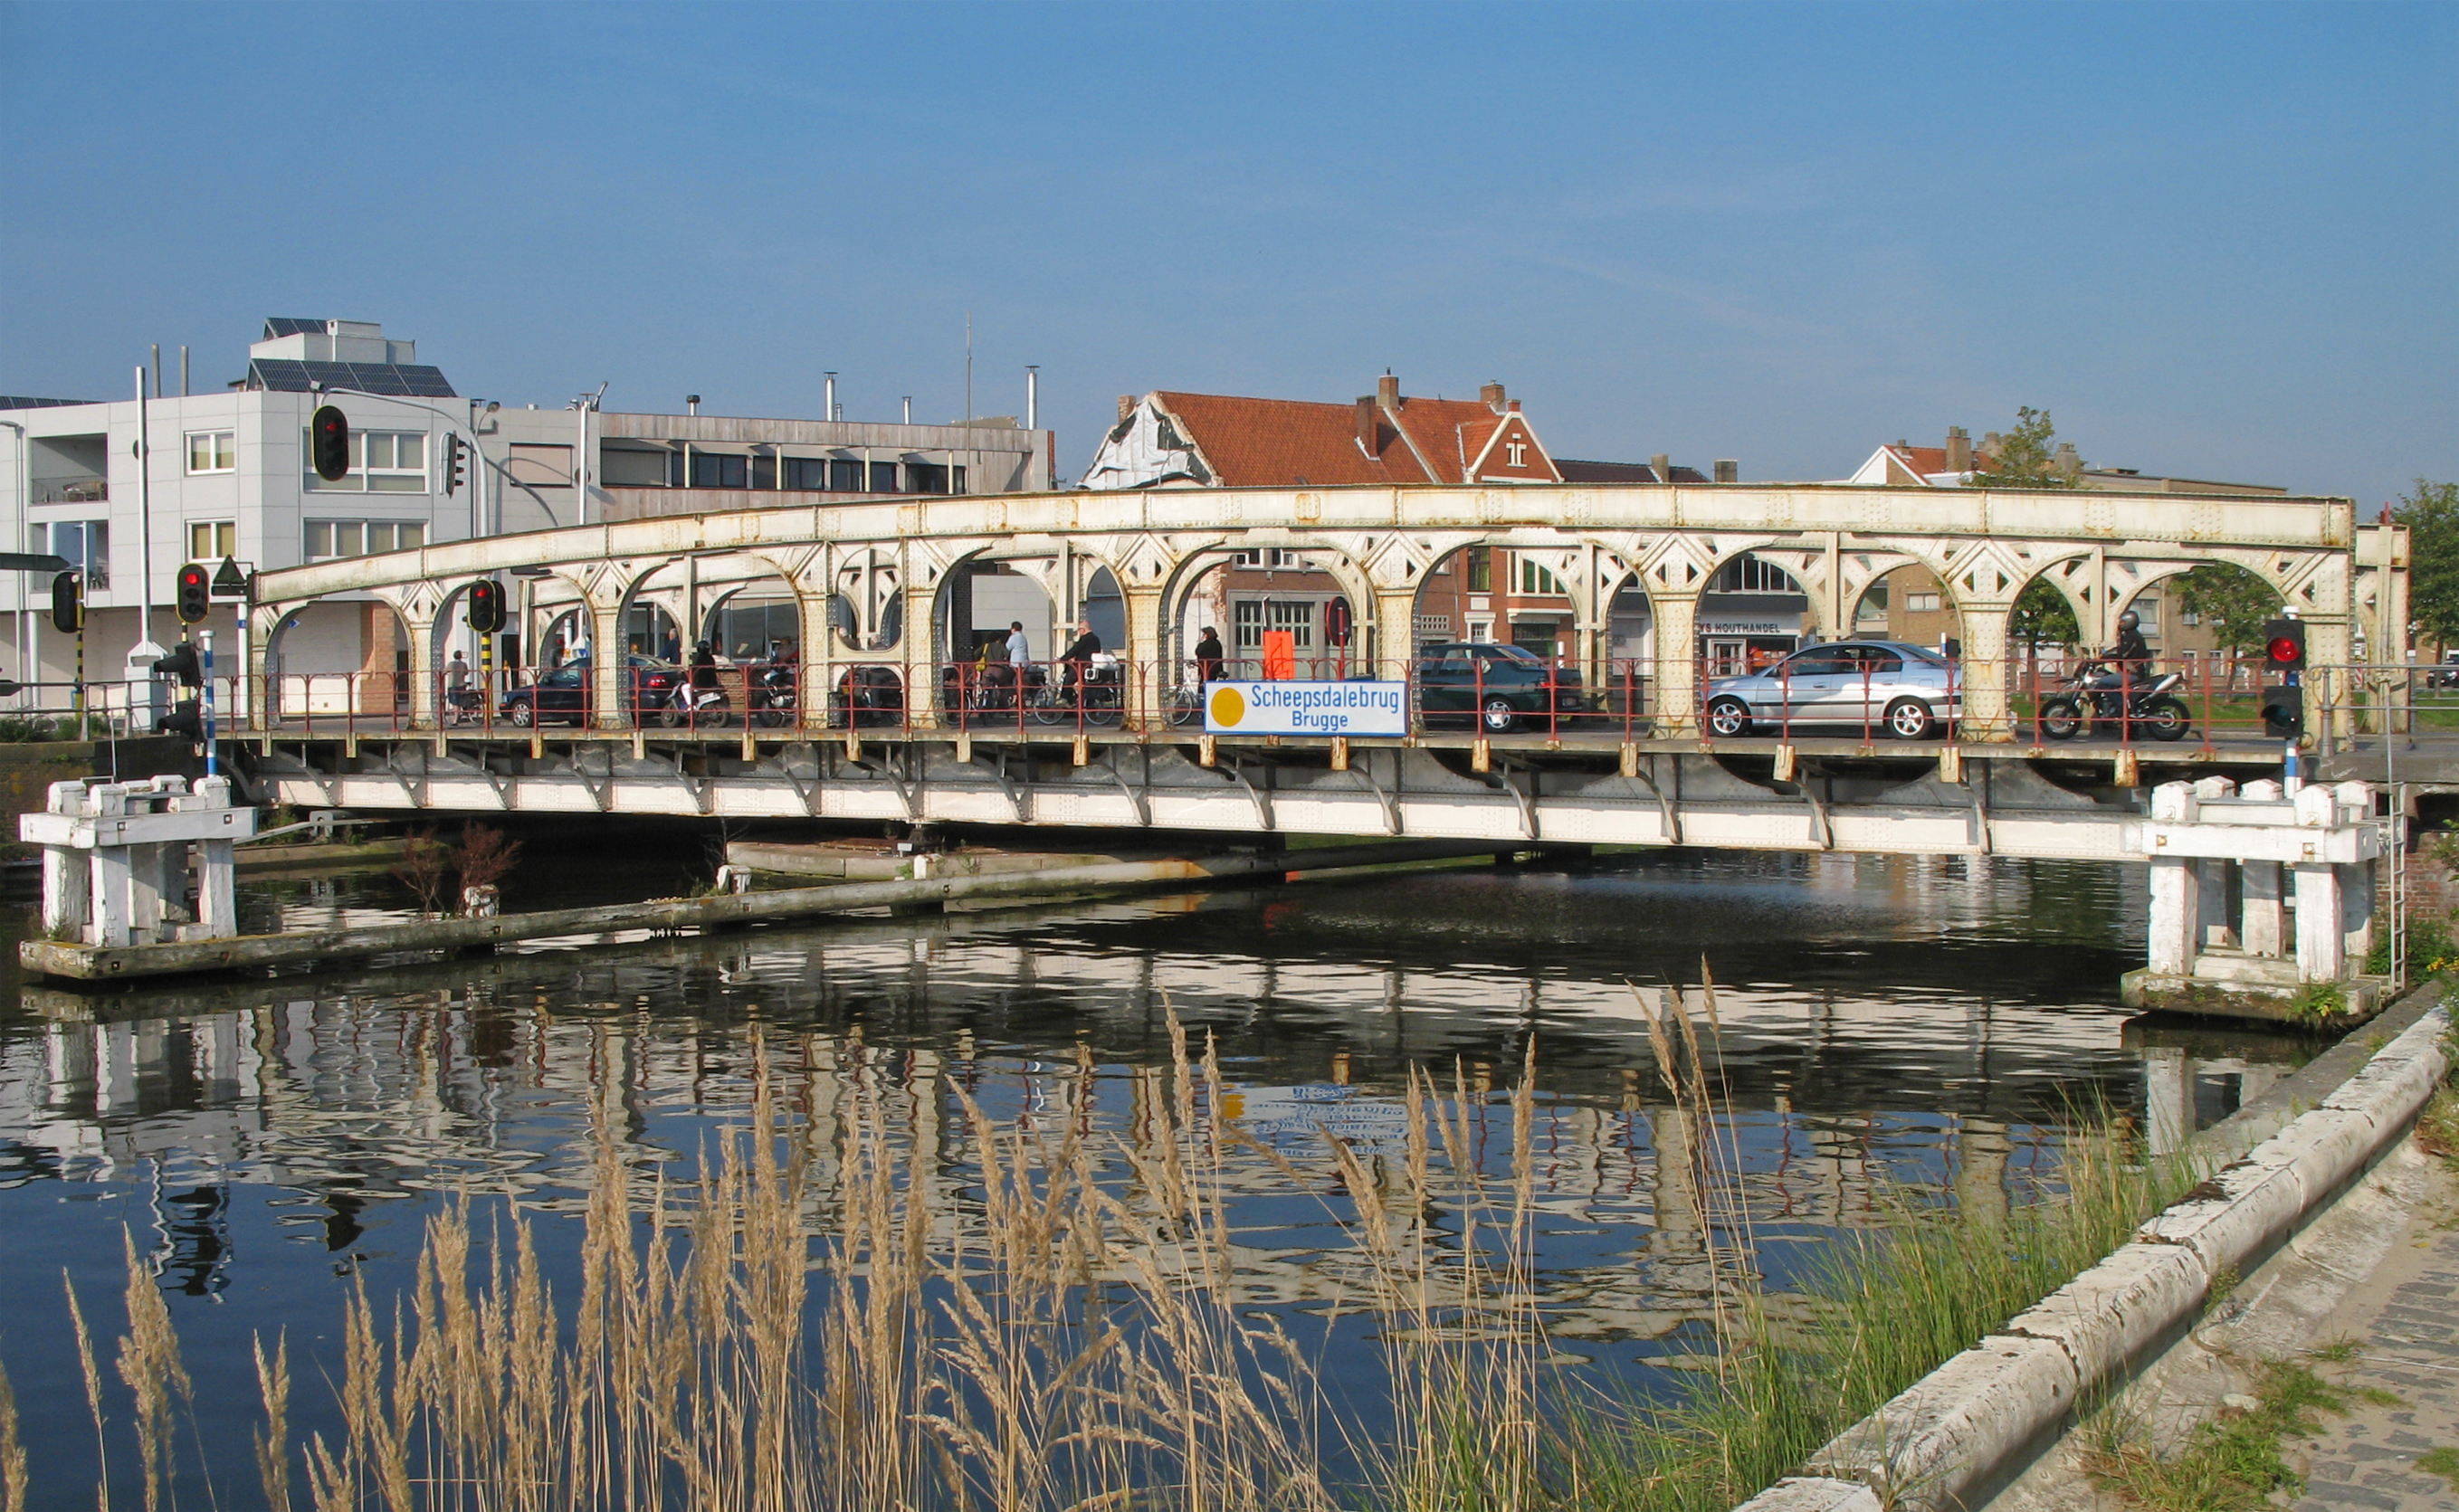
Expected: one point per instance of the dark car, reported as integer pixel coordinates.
(1498, 687)
(564, 695)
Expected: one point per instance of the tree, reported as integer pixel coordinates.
(2042, 616)
(2024, 457)
(2430, 511)
(2232, 601)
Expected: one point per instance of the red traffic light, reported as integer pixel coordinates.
(328, 443)
(195, 594)
(2283, 649)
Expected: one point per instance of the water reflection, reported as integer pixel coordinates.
(1920, 1027)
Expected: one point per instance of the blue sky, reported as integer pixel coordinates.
(2213, 239)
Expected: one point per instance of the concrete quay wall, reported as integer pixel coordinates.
(1953, 1438)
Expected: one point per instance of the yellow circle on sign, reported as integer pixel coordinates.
(1228, 708)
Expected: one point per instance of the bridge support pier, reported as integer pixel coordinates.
(116, 859)
(2218, 939)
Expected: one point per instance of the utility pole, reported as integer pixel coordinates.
(969, 366)
(144, 519)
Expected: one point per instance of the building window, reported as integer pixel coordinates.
(808, 474)
(2192, 616)
(1874, 602)
(381, 462)
(1297, 618)
(213, 452)
(1921, 603)
(1481, 568)
(323, 540)
(844, 476)
(1247, 616)
(883, 477)
(211, 540)
(718, 471)
(1747, 574)
(925, 478)
(957, 483)
(633, 466)
(1536, 580)
(86, 544)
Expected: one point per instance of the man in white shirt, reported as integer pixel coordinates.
(1019, 650)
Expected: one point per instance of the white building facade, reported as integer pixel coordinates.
(226, 475)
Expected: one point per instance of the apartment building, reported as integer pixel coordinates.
(224, 475)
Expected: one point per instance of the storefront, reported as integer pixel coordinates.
(1732, 646)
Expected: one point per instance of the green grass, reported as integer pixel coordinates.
(1885, 1310)
(2442, 1460)
(2231, 1464)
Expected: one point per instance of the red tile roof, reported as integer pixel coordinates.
(1266, 443)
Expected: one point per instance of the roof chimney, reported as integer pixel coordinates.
(2066, 461)
(1664, 466)
(1729, 470)
(1126, 405)
(1492, 395)
(1387, 391)
(1959, 449)
(1367, 426)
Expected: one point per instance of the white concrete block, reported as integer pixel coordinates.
(2106, 1316)
(2321, 954)
(1956, 1425)
(1814, 1494)
(2263, 915)
(2175, 912)
(2236, 1216)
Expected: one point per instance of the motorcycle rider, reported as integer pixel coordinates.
(703, 675)
(2129, 658)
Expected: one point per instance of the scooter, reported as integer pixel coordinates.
(2151, 705)
(688, 705)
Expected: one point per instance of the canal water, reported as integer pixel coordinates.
(1893, 1031)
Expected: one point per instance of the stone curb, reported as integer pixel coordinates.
(1958, 1428)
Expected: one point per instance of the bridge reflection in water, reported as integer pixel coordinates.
(1893, 1032)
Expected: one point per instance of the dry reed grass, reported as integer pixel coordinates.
(1065, 1342)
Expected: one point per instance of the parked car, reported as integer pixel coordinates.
(1498, 687)
(564, 696)
(1905, 689)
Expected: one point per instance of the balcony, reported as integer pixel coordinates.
(71, 490)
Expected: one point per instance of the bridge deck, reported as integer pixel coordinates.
(2075, 800)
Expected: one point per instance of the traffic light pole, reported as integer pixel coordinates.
(206, 694)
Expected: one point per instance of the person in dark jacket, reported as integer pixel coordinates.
(1079, 652)
(1208, 656)
(703, 668)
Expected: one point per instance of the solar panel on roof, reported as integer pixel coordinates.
(408, 381)
(30, 402)
(291, 326)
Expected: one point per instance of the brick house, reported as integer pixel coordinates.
(1174, 439)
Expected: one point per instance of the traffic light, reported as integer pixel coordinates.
(181, 663)
(68, 603)
(2283, 645)
(196, 593)
(486, 606)
(457, 455)
(328, 438)
(183, 720)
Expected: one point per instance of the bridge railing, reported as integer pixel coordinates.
(2050, 699)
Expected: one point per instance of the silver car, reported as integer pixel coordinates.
(1905, 689)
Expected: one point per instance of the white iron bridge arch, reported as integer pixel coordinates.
(868, 580)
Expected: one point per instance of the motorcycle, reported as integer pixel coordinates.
(700, 707)
(771, 695)
(1097, 694)
(2092, 694)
